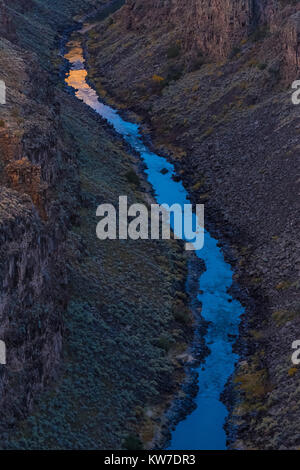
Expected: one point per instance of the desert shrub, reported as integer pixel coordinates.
(165, 342)
(157, 78)
(174, 73)
(198, 185)
(209, 131)
(292, 371)
(15, 113)
(181, 316)
(2, 123)
(254, 384)
(197, 64)
(181, 313)
(197, 61)
(132, 178)
(235, 51)
(280, 317)
(157, 83)
(92, 34)
(283, 285)
(132, 443)
(259, 34)
(173, 51)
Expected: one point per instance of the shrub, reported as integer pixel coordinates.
(132, 443)
(254, 384)
(174, 73)
(181, 313)
(209, 131)
(284, 285)
(197, 61)
(280, 317)
(197, 64)
(132, 178)
(157, 78)
(259, 34)
(235, 51)
(292, 371)
(198, 185)
(165, 342)
(158, 83)
(173, 51)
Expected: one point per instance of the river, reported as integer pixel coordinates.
(203, 429)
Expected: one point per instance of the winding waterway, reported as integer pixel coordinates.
(203, 428)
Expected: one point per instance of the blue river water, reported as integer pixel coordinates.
(203, 428)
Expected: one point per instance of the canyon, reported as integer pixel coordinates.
(210, 83)
(212, 87)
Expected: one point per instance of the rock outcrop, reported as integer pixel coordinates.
(26, 178)
(289, 38)
(7, 28)
(213, 27)
(30, 322)
(34, 219)
(216, 28)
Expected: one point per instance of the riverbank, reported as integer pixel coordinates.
(216, 123)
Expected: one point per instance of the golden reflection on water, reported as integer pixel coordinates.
(75, 51)
(77, 79)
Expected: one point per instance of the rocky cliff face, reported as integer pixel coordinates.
(7, 28)
(288, 30)
(30, 315)
(215, 28)
(33, 227)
